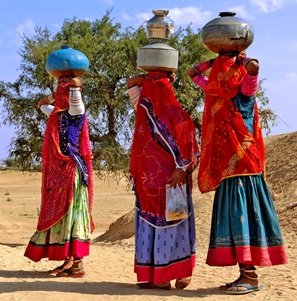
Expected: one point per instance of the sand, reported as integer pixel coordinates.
(109, 267)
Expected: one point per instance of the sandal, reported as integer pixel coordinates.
(66, 265)
(229, 284)
(149, 285)
(75, 271)
(182, 283)
(246, 283)
(242, 288)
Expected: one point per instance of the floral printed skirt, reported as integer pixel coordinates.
(70, 237)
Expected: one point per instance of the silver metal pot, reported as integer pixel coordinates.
(227, 33)
(157, 55)
(160, 27)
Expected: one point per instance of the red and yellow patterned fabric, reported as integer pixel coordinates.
(58, 170)
(228, 149)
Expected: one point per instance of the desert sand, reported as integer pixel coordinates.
(110, 265)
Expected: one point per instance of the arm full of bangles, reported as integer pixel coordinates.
(196, 72)
(135, 81)
(249, 85)
(134, 85)
(76, 106)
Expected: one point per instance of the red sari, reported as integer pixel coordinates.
(151, 165)
(58, 170)
(245, 227)
(164, 139)
(228, 149)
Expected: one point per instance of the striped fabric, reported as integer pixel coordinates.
(76, 106)
(134, 95)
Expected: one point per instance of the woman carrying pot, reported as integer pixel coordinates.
(65, 224)
(164, 153)
(245, 228)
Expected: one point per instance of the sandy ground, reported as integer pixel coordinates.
(110, 266)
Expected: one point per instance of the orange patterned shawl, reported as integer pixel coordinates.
(228, 149)
(58, 170)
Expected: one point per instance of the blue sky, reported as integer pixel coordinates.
(274, 23)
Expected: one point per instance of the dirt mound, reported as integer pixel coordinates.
(120, 229)
(281, 151)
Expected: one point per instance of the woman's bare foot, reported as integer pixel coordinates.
(149, 285)
(182, 283)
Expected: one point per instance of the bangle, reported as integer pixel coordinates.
(196, 69)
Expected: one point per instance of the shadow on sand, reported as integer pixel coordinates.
(80, 286)
(12, 245)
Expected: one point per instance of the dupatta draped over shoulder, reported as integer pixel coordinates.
(228, 149)
(58, 170)
(164, 138)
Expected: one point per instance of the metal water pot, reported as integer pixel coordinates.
(157, 55)
(227, 33)
(66, 62)
(160, 27)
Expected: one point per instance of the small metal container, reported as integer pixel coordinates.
(160, 27)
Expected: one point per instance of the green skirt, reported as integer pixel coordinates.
(71, 236)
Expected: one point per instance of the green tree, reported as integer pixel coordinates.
(191, 50)
(112, 53)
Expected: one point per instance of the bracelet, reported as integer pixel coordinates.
(196, 69)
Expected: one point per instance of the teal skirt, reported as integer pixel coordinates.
(245, 227)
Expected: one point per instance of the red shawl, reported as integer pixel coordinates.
(58, 170)
(151, 165)
(228, 149)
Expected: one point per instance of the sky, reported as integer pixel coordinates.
(274, 23)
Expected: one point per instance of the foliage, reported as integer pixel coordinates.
(112, 53)
(190, 50)
(268, 117)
